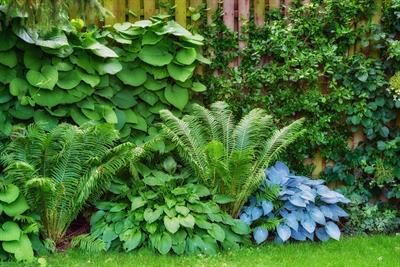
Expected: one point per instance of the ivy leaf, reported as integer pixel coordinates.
(177, 96)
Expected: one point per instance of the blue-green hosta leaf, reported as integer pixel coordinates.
(317, 215)
(332, 230)
(308, 223)
(171, 224)
(217, 232)
(8, 58)
(240, 228)
(187, 221)
(284, 231)
(68, 79)
(180, 73)
(155, 55)
(151, 215)
(109, 234)
(322, 234)
(22, 248)
(131, 238)
(132, 76)
(177, 96)
(165, 243)
(9, 194)
(45, 79)
(10, 231)
(260, 234)
(291, 221)
(17, 207)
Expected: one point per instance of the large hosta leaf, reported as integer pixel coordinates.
(111, 66)
(156, 55)
(284, 232)
(45, 79)
(171, 224)
(165, 243)
(180, 73)
(177, 96)
(8, 39)
(9, 194)
(22, 248)
(68, 79)
(10, 231)
(7, 74)
(18, 87)
(260, 234)
(186, 56)
(332, 230)
(132, 76)
(16, 208)
(8, 58)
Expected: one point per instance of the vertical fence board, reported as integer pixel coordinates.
(149, 8)
(288, 3)
(229, 14)
(259, 12)
(134, 7)
(163, 10)
(196, 5)
(180, 12)
(212, 6)
(244, 15)
(274, 4)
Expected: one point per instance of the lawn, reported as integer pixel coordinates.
(351, 251)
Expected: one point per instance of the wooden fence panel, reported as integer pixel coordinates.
(259, 12)
(180, 12)
(134, 7)
(149, 8)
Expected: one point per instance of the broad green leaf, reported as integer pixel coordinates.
(180, 73)
(156, 55)
(182, 210)
(7, 74)
(8, 58)
(83, 60)
(150, 38)
(156, 180)
(110, 66)
(132, 240)
(187, 221)
(8, 39)
(217, 232)
(68, 79)
(47, 121)
(109, 234)
(210, 246)
(223, 199)
(118, 207)
(148, 97)
(16, 208)
(9, 194)
(61, 65)
(186, 55)
(22, 112)
(141, 124)
(171, 224)
(45, 79)
(130, 116)
(165, 244)
(202, 222)
(5, 96)
(137, 202)
(132, 76)
(240, 227)
(10, 231)
(177, 96)
(124, 99)
(78, 117)
(98, 48)
(155, 85)
(33, 59)
(22, 248)
(198, 87)
(152, 215)
(91, 79)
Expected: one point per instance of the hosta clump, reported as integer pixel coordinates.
(298, 207)
(168, 214)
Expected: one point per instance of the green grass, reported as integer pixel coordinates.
(349, 252)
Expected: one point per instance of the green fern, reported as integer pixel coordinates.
(88, 243)
(270, 224)
(61, 170)
(229, 157)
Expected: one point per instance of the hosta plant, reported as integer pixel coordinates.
(167, 213)
(294, 207)
(16, 225)
(226, 156)
(59, 171)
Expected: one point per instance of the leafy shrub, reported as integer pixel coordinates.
(225, 156)
(299, 208)
(17, 225)
(121, 75)
(167, 213)
(60, 170)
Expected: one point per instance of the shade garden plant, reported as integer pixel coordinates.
(109, 143)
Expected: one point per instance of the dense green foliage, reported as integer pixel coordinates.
(60, 171)
(75, 76)
(226, 156)
(337, 68)
(166, 213)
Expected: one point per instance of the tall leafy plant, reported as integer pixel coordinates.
(230, 158)
(59, 171)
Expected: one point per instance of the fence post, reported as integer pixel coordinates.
(149, 8)
(117, 7)
(274, 4)
(180, 12)
(259, 12)
(288, 3)
(134, 7)
(212, 6)
(243, 18)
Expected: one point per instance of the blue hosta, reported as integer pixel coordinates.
(294, 207)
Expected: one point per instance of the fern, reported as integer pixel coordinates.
(270, 224)
(228, 157)
(88, 243)
(61, 170)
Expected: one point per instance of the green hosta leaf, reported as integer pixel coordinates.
(8, 58)
(155, 55)
(203, 223)
(182, 210)
(22, 248)
(132, 239)
(124, 99)
(111, 66)
(217, 232)
(16, 208)
(198, 87)
(130, 116)
(99, 49)
(187, 221)
(7, 74)
(132, 76)
(83, 60)
(10, 193)
(149, 97)
(165, 243)
(47, 121)
(210, 246)
(240, 227)
(68, 79)
(10, 231)
(141, 124)
(186, 56)
(177, 96)
(223, 199)
(33, 59)
(45, 79)
(22, 112)
(91, 79)
(137, 202)
(171, 224)
(155, 85)
(180, 73)
(8, 39)
(150, 38)
(118, 207)
(109, 234)
(152, 215)
(18, 87)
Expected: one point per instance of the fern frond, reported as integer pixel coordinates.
(270, 224)
(88, 243)
(211, 125)
(225, 120)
